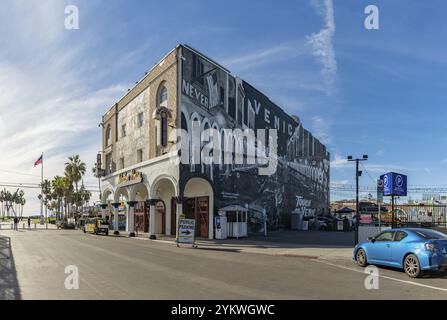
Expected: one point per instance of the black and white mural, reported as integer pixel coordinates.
(217, 99)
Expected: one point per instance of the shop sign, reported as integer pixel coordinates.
(365, 219)
(186, 230)
(130, 178)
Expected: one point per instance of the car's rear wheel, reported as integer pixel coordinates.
(360, 257)
(412, 267)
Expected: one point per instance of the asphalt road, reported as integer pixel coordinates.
(33, 264)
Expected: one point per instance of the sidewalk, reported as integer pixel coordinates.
(311, 245)
(23, 225)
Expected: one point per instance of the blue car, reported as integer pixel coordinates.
(415, 250)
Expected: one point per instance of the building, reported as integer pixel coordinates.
(155, 169)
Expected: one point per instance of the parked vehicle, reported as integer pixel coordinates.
(415, 250)
(66, 224)
(96, 226)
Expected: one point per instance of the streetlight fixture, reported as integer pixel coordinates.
(358, 173)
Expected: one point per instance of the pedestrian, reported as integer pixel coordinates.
(16, 222)
(29, 222)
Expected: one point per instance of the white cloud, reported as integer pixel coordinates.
(321, 42)
(321, 129)
(268, 55)
(339, 162)
(51, 100)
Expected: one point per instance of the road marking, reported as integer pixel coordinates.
(385, 277)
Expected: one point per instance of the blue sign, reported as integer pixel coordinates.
(394, 184)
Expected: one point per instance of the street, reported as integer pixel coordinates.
(33, 265)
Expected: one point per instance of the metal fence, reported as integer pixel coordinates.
(427, 216)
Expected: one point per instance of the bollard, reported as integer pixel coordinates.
(12, 227)
(35, 226)
(23, 226)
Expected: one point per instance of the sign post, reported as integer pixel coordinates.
(394, 184)
(380, 201)
(186, 231)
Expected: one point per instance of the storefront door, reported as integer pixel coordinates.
(198, 209)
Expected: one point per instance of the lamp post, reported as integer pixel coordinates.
(358, 173)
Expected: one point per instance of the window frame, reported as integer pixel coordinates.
(387, 231)
(140, 119)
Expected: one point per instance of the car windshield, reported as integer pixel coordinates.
(431, 234)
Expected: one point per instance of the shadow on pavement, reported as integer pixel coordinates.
(9, 285)
(435, 274)
(293, 239)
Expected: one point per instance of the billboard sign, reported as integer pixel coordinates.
(394, 184)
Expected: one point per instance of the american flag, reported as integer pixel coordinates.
(38, 161)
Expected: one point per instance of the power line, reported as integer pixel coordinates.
(19, 173)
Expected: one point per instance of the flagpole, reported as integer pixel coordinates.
(41, 189)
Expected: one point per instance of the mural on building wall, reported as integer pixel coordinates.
(221, 101)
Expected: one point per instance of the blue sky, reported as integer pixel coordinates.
(379, 92)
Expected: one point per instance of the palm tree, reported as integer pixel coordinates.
(20, 200)
(60, 185)
(2, 199)
(74, 171)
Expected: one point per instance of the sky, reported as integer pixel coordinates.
(376, 92)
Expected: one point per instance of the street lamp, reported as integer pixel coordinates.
(358, 173)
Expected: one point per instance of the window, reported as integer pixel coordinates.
(385, 236)
(164, 130)
(162, 116)
(109, 167)
(123, 130)
(122, 163)
(140, 119)
(163, 95)
(140, 155)
(431, 234)
(108, 136)
(400, 235)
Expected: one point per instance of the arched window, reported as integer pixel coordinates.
(108, 136)
(162, 114)
(163, 97)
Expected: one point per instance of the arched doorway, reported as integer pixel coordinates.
(163, 192)
(160, 212)
(140, 194)
(199, 204)
(107, 198)
(122, 197)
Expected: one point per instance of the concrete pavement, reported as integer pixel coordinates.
(33, 265)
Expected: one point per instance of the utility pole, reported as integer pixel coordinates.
(358, 173)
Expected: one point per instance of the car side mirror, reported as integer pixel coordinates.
(371, 239)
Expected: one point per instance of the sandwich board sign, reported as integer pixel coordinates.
(186, 231)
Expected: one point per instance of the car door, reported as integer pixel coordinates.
(399, 248)
(379, 251)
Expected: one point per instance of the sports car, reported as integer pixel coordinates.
(415, 250)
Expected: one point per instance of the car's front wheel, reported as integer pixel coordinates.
(360, 257)
(412, 267)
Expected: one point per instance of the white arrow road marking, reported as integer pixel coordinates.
(384, 277)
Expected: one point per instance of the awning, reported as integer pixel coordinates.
(234, 207)
(345, 210)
